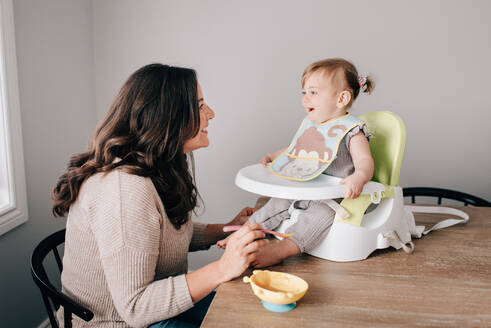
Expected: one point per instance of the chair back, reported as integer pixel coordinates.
(53, 298)
(442, 193)
(387, 145)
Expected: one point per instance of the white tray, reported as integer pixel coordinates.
(259, 180)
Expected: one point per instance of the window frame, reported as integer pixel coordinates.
(14, 212)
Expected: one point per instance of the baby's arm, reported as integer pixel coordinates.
(269, 157)
(363, 162)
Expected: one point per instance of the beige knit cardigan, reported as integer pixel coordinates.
(123, 258)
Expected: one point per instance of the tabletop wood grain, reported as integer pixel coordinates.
(446, 282)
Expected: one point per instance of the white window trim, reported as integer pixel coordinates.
(15, 213)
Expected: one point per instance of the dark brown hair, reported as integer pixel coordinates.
(343, 74)
(155, 112)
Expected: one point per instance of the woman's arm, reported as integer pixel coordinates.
(205, 235)
(241, 250)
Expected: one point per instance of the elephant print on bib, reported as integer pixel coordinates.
(313, 148)
(308, 154)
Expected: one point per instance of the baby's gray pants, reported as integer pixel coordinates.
(313, 222)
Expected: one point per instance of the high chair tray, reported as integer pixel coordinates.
(259, 180)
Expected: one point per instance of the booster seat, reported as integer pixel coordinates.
(357, 233)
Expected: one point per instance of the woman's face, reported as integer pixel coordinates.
(206, 114)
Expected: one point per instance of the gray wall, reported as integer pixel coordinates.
(429, 59)
(55, 67)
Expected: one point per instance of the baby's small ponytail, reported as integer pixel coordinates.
(370, 85)
(366, 84)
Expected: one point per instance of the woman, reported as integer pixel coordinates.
(128, 200)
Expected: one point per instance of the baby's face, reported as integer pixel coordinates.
(320, 98)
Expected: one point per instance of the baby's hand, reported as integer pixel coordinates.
(269, 157)
(354, 185)
(266, 159)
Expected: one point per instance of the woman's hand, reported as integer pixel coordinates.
(354, 185)
(243, 216)
(239, 219)
(223, 243)
(242, 249)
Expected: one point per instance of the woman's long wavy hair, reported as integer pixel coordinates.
(155, 112)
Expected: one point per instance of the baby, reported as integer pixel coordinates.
(329, 141)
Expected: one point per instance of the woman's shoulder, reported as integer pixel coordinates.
(117, 183)
(117, 176)
(121, 205)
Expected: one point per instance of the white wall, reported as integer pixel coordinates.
(430, 60)
(55, 70)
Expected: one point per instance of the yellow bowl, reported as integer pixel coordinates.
(277, 287)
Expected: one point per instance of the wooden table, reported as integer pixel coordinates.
(446, 282)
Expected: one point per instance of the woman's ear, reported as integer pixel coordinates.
(343, 99)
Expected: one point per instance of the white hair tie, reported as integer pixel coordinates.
(362, 81)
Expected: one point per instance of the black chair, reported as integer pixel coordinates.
(48, 291)
(467, 199)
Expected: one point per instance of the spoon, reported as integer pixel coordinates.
(279, 234)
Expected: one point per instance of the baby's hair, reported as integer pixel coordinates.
(344, 75)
